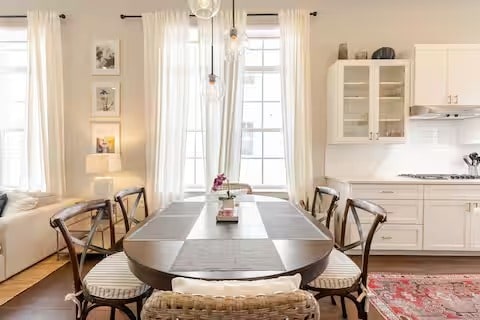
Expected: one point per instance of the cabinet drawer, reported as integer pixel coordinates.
(453, 192)
(387, 191)
(393, 237)
(398, 212)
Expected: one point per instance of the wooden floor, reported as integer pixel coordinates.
(45, 300)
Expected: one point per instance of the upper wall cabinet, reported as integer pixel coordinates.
(447, 75)
(367, 101)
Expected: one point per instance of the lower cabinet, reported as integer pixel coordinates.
(451, 225)
(393, 237)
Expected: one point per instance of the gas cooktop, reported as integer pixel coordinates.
(440, 176)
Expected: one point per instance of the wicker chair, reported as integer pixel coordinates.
(110, 282)
(296, 305)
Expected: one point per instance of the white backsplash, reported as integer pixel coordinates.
(433, 146)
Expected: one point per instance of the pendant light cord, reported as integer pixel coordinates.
(233, 13)
(211, 46)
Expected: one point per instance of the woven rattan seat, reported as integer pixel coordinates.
(163, 305)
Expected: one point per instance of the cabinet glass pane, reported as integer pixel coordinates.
(391, 101)
(356, 102)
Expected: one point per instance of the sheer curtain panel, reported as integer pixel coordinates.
(296, 101)
(222, 119)
(44, 131)
(167, 72)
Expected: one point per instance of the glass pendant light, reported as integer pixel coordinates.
(213, 90)
(204, 9)
(236, 43)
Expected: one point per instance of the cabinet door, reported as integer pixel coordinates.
(355, 116)
(474, 228)
(464, 76)
(430, 77)
(391, 82)
(445, 225)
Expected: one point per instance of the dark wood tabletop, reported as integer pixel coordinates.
(272, 238)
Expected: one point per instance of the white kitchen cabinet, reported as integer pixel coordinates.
(368, 101)
(447, 75)
(445, 224)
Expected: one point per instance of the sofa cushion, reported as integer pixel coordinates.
(3, 202)
(236, 288)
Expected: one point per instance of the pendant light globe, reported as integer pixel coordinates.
(236, 41)
(204, 9)
(213, 90)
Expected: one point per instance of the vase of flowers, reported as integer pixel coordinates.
(228, 201)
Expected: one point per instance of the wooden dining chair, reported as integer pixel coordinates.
(343, 277)
(299, 304)
(129, 217)
(110, 282)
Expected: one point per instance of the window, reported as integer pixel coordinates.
(13, 91)
(194, 175)
(262, 156)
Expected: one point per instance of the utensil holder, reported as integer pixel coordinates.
(473, 170)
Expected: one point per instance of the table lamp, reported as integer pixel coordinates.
(102, 164)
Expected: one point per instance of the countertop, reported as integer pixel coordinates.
(402, 180)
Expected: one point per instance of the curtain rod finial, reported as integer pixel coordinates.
(122, 16)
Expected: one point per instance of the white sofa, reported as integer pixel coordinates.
(26, 237)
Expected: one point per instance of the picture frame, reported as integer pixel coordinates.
(106, 99)
(106, 57)
(105, 137)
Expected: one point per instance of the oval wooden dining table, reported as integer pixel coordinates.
(272, 238)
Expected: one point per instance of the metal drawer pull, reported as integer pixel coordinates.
(385, 191)
(387, 238)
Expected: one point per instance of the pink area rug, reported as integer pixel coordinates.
(425, 297)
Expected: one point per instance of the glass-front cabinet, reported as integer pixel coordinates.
(368, 101)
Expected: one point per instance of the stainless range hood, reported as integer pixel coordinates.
(444, 112)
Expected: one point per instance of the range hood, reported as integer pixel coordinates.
(444, 112)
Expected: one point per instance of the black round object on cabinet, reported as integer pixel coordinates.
(384, 53)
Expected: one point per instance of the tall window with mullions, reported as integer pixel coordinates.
(13, 92)
(262, 159)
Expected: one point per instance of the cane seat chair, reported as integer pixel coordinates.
(110, 282)
(163, 305)
(343, 277)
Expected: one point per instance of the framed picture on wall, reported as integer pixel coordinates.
(106, 57)
(106, 99)
(105, 137)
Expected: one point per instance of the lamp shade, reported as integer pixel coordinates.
(204, 9)
(103, 163)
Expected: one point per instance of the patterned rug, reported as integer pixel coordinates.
(425, 297)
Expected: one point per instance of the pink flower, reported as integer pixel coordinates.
(218, 182)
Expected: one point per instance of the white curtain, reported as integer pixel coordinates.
(223, 119)
(44, 134)
(296, 101)
(167, 72)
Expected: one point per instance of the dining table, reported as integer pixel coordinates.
(272, 238)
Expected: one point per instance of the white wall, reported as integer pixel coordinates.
(365, 24)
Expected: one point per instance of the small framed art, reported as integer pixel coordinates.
(106, 99)
(106, 57)
(105, 137)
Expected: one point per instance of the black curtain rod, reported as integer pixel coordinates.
(314, 13)
(62, 16)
